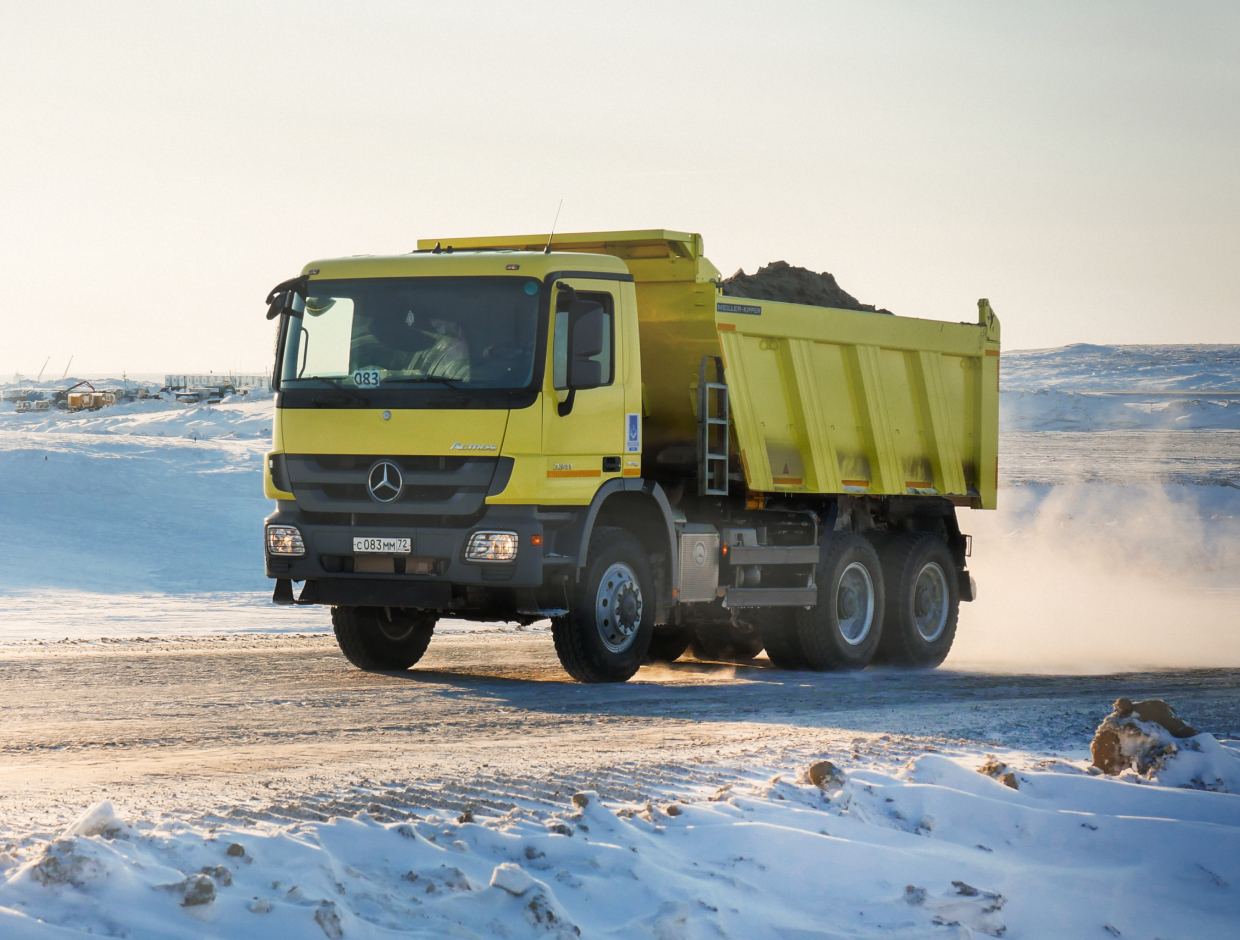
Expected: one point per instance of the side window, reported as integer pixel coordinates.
(584, 335)
(317, 342)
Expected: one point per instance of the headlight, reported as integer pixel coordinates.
(492, 546)
(284, 540)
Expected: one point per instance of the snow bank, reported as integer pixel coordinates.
(1141, 368)
(248, 416)
(937, 850)
(1055, 410)
(1093, 388)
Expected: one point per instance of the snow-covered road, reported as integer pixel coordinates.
(277, 744)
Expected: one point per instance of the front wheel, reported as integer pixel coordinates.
(843, 630)
(923, 600)
(382, 638)
(610, 619)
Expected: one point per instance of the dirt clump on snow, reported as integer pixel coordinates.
(1137, 736)
(825, 776)
(787, 283)
(997, 770)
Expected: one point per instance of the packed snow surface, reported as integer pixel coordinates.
(933, 850)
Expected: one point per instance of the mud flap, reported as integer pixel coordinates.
(968, 587)
(284, 592)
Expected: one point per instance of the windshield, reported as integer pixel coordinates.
(459, 332)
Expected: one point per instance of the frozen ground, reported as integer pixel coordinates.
(142, 664)
(278, 745)
(1095, 388)
(1139, 368)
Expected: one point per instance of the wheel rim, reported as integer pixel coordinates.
(930, 602)
(618, 607)
(854, 603)
(398, 629)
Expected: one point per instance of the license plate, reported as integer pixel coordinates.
(382, 546)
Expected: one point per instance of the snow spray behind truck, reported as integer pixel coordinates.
(587, 428)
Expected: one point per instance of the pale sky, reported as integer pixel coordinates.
(162, 165)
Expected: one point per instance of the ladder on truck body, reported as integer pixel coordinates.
(712, 416)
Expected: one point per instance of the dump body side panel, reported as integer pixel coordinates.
(840, 401)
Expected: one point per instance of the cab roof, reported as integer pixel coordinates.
(452, 262)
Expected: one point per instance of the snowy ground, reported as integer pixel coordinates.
(1095, 388)
(143, 664)
(934, 850)
(276, 744)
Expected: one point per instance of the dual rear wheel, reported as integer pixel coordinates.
(897, 606)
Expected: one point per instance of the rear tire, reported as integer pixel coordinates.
(843, 630)
(668, 643)
(610, 619)
(923, 601)
(780, 637)
(382, 638)
(725, 641)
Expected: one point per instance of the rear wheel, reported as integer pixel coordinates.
(668, 643)
(724, 640)
(779, 635)
(843, 630)
(380, 638)
(923, 600)
(610, 620)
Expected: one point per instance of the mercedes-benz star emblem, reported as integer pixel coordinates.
(385, 481)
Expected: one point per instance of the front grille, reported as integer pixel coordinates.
(407, 464)
(425, 494)
(449, 487)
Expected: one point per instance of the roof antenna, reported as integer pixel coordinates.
(547, 250)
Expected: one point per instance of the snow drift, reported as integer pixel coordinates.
(936, 850)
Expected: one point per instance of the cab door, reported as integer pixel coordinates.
(584, 429)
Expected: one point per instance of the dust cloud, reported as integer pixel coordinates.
(1094, 578)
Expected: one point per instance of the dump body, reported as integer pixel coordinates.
(822, 400)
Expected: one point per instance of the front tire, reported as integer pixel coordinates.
(382, 638)
(610, 619)
(923, 601)
(843, 630)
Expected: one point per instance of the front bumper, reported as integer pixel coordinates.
(327, 565)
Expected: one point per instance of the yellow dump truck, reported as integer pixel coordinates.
(586, 428)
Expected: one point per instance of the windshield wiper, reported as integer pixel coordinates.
(352, 394)
(451, 383)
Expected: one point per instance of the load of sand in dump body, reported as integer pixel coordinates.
(787, 283)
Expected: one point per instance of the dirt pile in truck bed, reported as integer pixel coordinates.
(781, 281)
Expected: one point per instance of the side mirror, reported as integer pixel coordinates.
(288, 297)
(588, 335)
